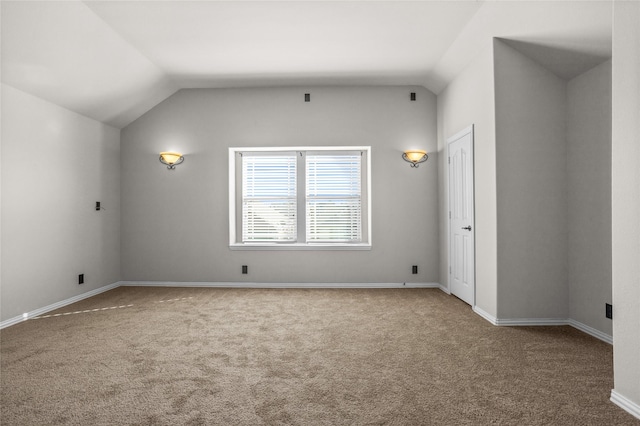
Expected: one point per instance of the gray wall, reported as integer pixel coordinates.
(589, 196)
(55, 165)
(531, 186)
(542, 149)
(626, 200)
(469, 99)
(175, 223)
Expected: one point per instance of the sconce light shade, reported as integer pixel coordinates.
(415, 157)
(171, 159)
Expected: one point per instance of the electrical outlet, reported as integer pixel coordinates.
(81, 279)
(608, 310)
(245, 269)
(414, 269)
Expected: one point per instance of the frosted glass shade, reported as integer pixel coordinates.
(415, 157)
(171, 159)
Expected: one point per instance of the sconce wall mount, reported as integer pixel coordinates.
(171, 159)
(415, 157)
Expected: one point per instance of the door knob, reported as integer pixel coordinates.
(468, 228)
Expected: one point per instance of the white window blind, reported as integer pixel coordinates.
(334, 197)
(269, 198)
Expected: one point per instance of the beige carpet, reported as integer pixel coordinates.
(172, 356)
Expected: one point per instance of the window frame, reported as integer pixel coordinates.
(235, 199)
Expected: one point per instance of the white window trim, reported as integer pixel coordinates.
(233, 241)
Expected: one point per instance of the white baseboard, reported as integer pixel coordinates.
(524, 322)
(57, 305)
(544, 321)
(591, 331)
(445, 289)
(275, 285)
(484, 314)
(625, 403)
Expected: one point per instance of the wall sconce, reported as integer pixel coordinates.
(171, 159)
(415, 157)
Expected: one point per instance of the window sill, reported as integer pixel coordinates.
(319, 246)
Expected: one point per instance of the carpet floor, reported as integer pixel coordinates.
(211, 356)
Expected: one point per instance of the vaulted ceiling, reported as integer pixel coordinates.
(114, 60)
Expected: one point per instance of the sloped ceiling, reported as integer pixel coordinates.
(114, 60)
(66, 54)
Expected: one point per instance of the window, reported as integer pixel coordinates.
(299, 198)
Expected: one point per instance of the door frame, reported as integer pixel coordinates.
(450, 140)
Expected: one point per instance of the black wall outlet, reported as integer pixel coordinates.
(98, 205)
(245, 269)
(81, 279)
(307, 97)
(414, 269)
(608, 310)
(413, 96)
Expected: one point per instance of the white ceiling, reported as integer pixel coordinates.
(114, 60)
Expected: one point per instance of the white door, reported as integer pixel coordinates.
(461, 214)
